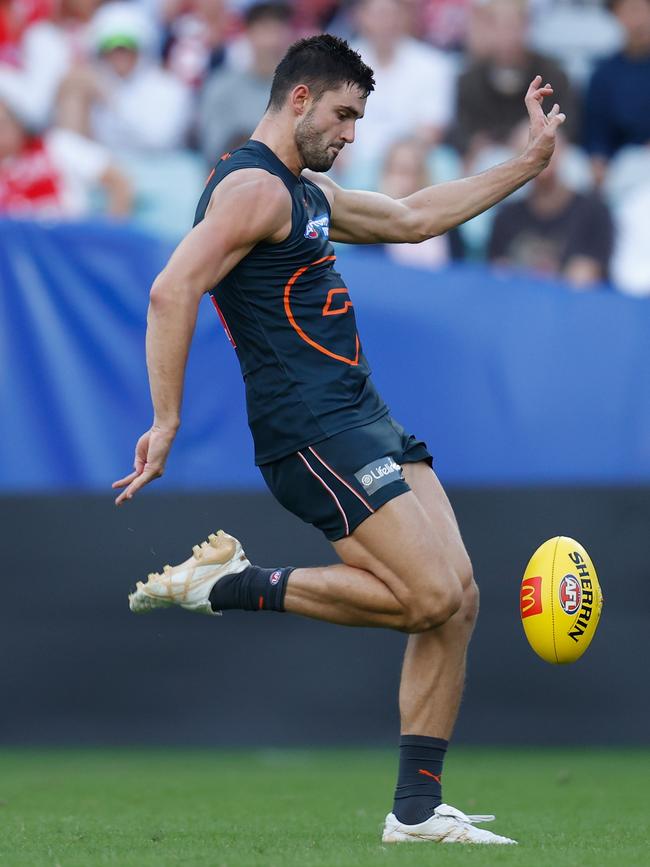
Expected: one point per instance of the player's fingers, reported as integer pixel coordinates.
(534, 84)
(537, 91)
(148, 475)
(554, 111)
(126, 480)
(129, 492)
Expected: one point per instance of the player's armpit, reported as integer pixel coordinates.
(247, 207)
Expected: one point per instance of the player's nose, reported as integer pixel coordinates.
(347, 134)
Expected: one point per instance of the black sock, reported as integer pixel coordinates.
(419, 787)
(253, 589)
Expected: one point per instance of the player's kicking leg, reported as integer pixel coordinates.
(404, 567)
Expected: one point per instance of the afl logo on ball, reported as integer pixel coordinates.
(275, 576)
(570, 594)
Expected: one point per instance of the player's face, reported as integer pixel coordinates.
(328, 126)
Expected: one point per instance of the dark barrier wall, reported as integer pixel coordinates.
(511, 380)
(78, 668)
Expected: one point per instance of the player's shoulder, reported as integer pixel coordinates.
(252, 205)
(252, 187)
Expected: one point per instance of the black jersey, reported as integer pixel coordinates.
(289, 316)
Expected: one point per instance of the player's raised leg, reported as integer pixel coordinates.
(395, 574)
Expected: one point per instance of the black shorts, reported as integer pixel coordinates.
(339, 482)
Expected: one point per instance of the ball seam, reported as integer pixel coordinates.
(557, 542)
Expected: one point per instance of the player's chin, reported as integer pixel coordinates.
(323, 163)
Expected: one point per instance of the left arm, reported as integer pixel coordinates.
(372, 218)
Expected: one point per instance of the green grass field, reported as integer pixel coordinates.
(312, 809)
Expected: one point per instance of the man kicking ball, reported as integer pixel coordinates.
(324, 440)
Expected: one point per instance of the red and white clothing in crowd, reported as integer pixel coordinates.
(52, 177)
(15, 17)
(34, 60)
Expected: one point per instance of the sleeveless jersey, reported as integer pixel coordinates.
(289, 316)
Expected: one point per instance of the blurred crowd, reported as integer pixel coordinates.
(121, 108)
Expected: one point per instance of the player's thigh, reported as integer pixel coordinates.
(408, 545)
(432, 497)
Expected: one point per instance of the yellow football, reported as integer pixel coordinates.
(560, 600)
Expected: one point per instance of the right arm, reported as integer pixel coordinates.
(233, 224)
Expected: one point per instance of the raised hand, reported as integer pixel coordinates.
(151, 453)
(543, 127)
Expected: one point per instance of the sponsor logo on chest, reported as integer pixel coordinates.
(319, 227)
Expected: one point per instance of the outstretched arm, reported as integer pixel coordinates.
(233, 225)
(372, 218)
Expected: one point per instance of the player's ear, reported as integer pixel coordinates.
(299, 98)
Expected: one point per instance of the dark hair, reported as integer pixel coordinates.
(322, 62)
(268, 12)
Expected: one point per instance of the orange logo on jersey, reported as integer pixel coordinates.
(327, 311)
(530, 599)
(225, 156)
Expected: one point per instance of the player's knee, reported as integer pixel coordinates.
(433, 608)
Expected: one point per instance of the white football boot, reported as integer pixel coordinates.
(447, 825)
(189, 584)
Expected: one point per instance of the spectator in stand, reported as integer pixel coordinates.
(553, 230)
(314, 16)
(15, 17)
(123, 98)
(617, 107)
(405, 171)
(45, 51)
(414, 86)
(631, 259)
(54, 175)
(195, 39)
(444, 23)
(490, 101)
(577, 33)
(233, 100)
